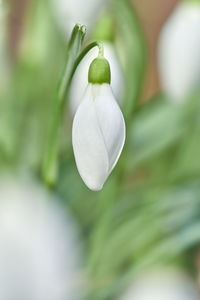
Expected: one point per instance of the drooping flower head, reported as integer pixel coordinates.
(98, 133)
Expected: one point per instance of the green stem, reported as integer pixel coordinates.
(75, 44)
(84, 52)
(101, 49)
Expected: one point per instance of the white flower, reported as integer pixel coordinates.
(39, 253)
(178, 51)
(162, 285)
(70, 12)
(80, 76)
(98, 135)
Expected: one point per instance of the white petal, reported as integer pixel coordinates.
(111, 122)
(80, 78)
(88, 144)
(98, 135)
(178, 51)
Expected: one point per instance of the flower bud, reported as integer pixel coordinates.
(98, 132)
(178, 51)
(99, 71)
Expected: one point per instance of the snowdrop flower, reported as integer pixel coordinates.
(165, 285)
(70, 12)
(98, 132)
(39, 253)
(178, 51)
(80, 76)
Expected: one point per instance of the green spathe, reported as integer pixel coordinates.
(99, 71)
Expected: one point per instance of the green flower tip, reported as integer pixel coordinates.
(99, 71)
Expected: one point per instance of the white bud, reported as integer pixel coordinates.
(80, 76)
(178, 51)
(98, 135)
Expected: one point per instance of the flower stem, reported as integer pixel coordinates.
(85, 51)
(101, 49)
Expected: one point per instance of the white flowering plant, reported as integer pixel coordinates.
(72, 114)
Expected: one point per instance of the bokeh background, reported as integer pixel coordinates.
(139, 237)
